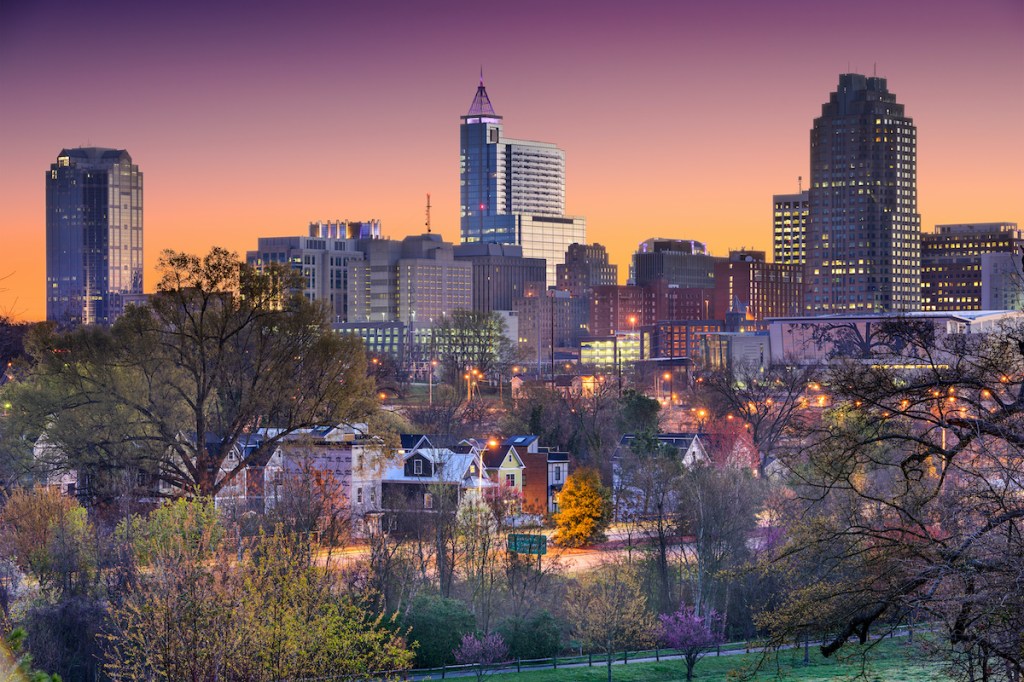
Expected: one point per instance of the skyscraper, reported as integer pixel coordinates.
(864, 231)
(93, 235)
(789, 228)
(513, 191)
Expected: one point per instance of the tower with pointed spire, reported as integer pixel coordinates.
(513, 191)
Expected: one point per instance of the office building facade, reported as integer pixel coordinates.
(863, 228)
(789, 228)
(763, 289)
(586, 266)
(323, 257)
(513, 191)
(416, 281)
(500, 273)
(955, 272)
(93, 236)
(683, 262)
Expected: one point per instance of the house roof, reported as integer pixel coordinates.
(493, 459)
(449, 467)
(520, 441)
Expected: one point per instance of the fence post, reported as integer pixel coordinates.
(555, 662)
(718, 650)
(444, 667)
(590, 660)
(519, 664)
(625, 657)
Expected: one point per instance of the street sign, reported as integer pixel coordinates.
(524, 543)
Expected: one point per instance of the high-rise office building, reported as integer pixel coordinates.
(93, 235)
(500, 273)
(416, 281)
(763, 289)
(863, 229)
(789, 228)
(683, 262)
(323, 258)
(586, 266)
(955, 275)
(513, 191)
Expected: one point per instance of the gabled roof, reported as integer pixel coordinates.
(494, 459)
(411, 441)
(449, 467)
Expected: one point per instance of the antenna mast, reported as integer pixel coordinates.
(428, 213)
(799, 184)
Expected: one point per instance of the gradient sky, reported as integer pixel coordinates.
(678, 119)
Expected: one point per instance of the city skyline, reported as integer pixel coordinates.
(253, 123)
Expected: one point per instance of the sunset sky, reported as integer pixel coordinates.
(678, 119)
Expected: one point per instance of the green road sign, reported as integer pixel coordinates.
(523, 543)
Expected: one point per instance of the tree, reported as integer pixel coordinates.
(175, 387)
(649, 480)
(50, 536)
(639, 414)
(769, 401)
(608, 611)
(718, 507)
(908, 500)
(584, 509)
(201, 612)
(692, 634)
(481, 651)
(469, 339)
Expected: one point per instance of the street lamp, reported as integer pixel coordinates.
(667, 376)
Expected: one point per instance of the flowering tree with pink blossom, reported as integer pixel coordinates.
(481, 651)
(692, 634)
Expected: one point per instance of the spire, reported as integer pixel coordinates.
(481, 105)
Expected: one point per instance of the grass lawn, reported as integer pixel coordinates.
(891, 661)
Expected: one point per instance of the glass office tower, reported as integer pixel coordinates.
(93, 235)
(513, 191)
(863, 231)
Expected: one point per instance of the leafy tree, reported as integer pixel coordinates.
(191, 528)
(692, 634)
(174, 387)
(469, 339)
(608, 611)
(481, 651)
(639, 414)
(50, 536)
(437, 625)
(584, 509)
(19, 665)
(271, 614)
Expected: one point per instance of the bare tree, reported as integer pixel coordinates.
(910, 499)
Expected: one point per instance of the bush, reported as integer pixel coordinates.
(437, 625)
(537, 637)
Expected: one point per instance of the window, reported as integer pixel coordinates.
(359, 495)
(428, 501)
(510, 480)
(417, 467)
(558, 474)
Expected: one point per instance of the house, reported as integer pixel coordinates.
(504, 466)
(430, 480)
(543, 474)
